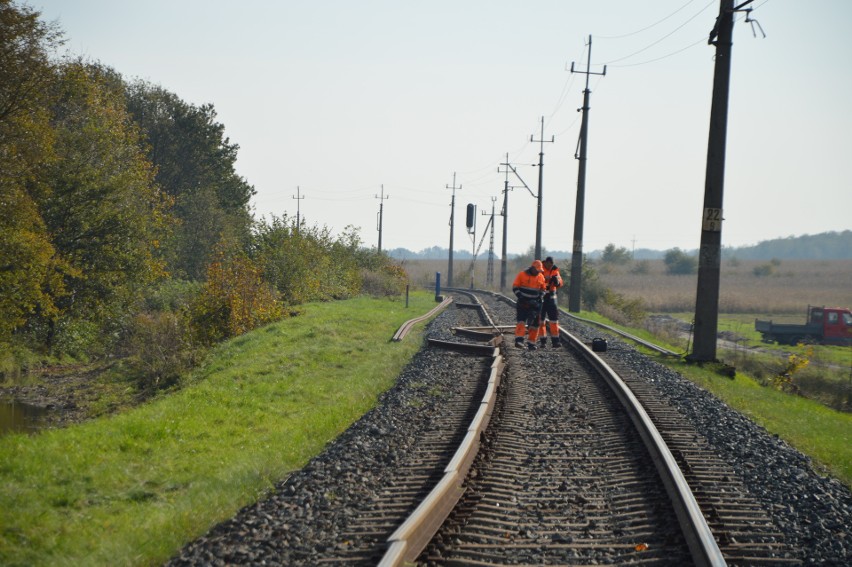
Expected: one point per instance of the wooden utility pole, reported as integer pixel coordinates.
(709, 256)
(577, 249)
(452, 228)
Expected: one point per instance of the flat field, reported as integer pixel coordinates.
(771, 289)
(781, 290)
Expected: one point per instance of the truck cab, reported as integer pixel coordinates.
(836, 324)
(825, 325)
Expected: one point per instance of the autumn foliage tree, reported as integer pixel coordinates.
(124, 227)
(29, 268)
(103, 210)
(235, 299)
(195, 165)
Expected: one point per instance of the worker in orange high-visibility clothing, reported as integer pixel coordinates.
(529, 287)
(549, 309)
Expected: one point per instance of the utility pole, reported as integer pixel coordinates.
(510, 167)
(505, 215)
(298, 198)
(489, 275)
(452, 227)
(709, 257)
(540, 188)
(381, 206)
(577, 250)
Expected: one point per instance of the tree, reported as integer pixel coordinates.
(613, 255)
(103, 210)
(29, 269)
(195, 165)
(679, 262)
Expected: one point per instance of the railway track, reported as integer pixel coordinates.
(516, 457)
(572, 481)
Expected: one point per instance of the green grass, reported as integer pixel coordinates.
(133, 488)
(743, 325)
(814, 429)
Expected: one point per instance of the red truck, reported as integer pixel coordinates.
(825, 325)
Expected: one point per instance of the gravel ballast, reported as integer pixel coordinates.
(301, 521)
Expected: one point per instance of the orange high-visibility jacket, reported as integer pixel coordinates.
(528, 286)
(548, 274)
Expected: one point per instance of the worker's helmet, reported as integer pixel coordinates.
(538, 265)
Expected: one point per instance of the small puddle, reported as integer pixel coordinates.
(17, 417)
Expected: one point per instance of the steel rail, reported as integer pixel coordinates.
(472, 295)
(624, 334)
(410, 538)
(703, 547)
(699, 537)
(408, 325)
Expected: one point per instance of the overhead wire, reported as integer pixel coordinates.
(702, 40)
(488, 171)
(646, 27)
(649, 46)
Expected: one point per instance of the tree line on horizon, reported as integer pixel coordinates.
(124, 221)
(831, 245)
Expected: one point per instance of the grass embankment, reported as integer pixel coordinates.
(815, 430)
(133, 488)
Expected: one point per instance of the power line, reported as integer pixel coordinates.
(646, 27)
(659, 40)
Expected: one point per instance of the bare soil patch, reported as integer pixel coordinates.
(72, 394)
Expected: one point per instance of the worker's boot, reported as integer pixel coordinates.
(519, 342)
(556, 341)
(531, 345)
(542, 342)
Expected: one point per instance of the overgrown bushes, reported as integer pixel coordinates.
(125, 227)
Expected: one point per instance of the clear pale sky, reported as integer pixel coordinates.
(340, 97)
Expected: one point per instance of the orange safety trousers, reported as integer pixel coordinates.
(551, 327)
(521, 330)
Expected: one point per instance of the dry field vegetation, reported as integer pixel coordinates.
(783, 289)
(777, 290)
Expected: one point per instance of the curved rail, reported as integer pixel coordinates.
(703, 547)
(406, 543)
(470, 293)
(408, 325)
(624, 334)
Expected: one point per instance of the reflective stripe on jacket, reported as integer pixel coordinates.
(528, 286)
